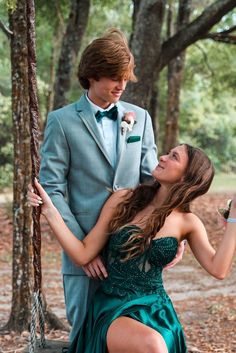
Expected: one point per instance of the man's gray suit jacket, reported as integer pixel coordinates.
(75, 168)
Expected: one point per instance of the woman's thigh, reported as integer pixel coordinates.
(126, 335)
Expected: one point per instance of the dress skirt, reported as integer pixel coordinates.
(152, 310)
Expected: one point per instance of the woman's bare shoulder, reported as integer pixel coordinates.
(192, 222)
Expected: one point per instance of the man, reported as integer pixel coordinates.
(86, 155)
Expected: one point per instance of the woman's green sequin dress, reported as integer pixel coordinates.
(134, 289)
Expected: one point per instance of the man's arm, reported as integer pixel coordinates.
(55, 164)
(149, 151)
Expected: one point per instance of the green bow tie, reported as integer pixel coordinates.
(111, 114)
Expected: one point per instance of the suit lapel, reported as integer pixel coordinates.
(87, 116)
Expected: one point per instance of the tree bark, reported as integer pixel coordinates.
(224, 36)
(24, 104)
(146, 46)
(154, 104)
(57, 36)
(175, 75)
(136, 5)
(22, 258)
(71, 43)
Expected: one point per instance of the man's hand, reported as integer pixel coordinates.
(96, 269)
(178, 256)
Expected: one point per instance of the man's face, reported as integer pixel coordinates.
(106, 91)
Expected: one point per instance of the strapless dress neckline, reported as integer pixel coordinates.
(154, 239)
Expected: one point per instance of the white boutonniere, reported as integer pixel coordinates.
(127, 122)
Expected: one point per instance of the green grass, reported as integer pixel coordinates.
(224, 182)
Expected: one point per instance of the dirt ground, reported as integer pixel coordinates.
(206, 306)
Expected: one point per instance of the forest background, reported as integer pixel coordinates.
(185, 55)
(207, 98)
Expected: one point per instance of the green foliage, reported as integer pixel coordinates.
(207, 115)
(48, 32)
(6, 147)
(210, 123)
(5, 64)
(11, 5)
(208, 103)
(223, 182)
(6, 176)
(207, 110)
(215, 63)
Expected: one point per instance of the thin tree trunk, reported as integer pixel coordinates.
(23, 104)
(175, 76)
(52, 73)
(56, 42)
(71, 43)
(22, 258)
(153, 107)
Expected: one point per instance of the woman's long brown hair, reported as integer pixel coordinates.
(197, 180)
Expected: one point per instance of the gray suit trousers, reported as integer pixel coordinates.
(78, 292)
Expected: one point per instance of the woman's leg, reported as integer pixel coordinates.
(126, 335)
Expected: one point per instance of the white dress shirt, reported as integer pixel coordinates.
(108, 130)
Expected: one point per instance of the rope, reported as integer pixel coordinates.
(37, 308)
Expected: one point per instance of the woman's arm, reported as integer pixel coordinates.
(81, 252)
(217, 263)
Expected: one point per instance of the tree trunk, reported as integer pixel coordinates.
(22, 258)
(175, 75)
(24, 104)
(136, 5)
(153, 106)
(146, 46)
(151, 55)
(71, 43)
(52, 72)
(56, 42)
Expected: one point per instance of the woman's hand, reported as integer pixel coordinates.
(43, 200)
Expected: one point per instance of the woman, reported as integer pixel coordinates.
(131, 311)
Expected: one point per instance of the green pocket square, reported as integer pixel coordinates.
(131, 139)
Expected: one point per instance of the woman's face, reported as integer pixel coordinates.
(172, 166)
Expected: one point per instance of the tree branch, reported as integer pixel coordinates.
(222, 39)
(223, 36)
(205, 58)
(227, 31)
(194, 31)
(6, 30)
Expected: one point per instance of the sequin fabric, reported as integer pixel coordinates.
(142, 274)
